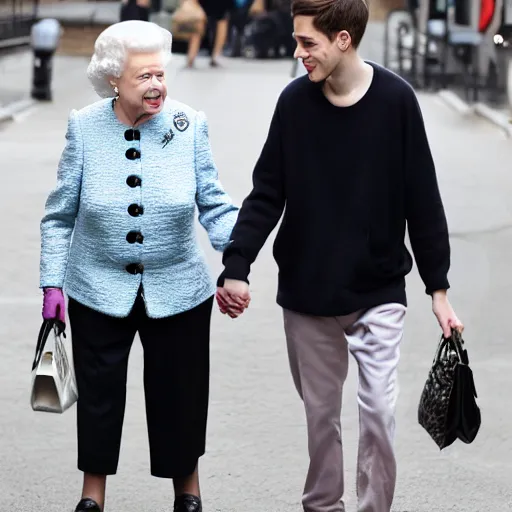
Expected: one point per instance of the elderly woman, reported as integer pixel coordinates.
(118, 237)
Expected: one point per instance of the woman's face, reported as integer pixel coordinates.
(142, 87)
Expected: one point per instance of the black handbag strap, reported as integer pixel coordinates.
(46, 327)
(456, 343)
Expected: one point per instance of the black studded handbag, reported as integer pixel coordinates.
(448, 410)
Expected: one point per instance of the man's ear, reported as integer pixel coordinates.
(343, 40)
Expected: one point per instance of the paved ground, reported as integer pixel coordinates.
(15, 76)
(87, 12)
(257, 457)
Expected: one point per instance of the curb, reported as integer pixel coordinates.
(11, 111)
(455, 102)
(495, 117)
(88, 13)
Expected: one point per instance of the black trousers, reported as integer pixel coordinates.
(176, 385)
(132, 11)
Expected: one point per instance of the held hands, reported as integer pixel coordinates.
(233, 298)
(445, 314)
(54, 305)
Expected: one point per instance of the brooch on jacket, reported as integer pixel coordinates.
(181, 122)
(167, 138)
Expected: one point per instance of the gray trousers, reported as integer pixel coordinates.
(318, 351)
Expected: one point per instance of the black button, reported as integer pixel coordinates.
(135, 210)
(134, 236)
(135, 268)
(130, 135)
(132, 154)
(133, 181)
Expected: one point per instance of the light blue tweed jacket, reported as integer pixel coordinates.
(108, 186)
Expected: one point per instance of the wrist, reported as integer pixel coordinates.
(51, 288)
(234, 280)
(439, 295)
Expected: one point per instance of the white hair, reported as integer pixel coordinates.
(115, 42)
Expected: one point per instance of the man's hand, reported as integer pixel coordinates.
(445, 314)
(233, 298)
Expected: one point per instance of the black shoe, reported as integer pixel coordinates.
(87, 505)
(187, 503)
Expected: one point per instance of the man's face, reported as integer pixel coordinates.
(142, 85)
(320, 55)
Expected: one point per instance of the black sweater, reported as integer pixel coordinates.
(348, 180)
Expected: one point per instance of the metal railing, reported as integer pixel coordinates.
(16, 20)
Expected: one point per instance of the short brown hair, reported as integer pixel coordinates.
(333, 16)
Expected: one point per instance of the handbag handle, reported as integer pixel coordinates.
(46, 327)
(457, 343)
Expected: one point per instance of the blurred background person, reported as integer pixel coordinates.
(135, 10)
(217, 13)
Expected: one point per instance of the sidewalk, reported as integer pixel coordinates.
(81, 13)
(15, 76)
(14, 70)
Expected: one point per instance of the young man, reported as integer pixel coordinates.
(348, 156)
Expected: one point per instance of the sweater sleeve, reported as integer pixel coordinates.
(426, 220)
(217, 214)
(260, 211)
(61, 209)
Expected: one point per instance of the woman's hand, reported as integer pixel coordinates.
(233, 298)
(54, 305)
(445, 314)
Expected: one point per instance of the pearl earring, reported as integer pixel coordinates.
(116, 90)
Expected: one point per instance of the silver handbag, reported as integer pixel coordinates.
(53, 377)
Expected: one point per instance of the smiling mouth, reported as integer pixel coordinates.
(153, 100)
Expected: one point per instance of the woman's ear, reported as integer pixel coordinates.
(114, 86)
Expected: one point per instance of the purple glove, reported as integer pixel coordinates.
(54, 305)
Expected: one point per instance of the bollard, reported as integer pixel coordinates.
(45, 36)
(504, 40)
